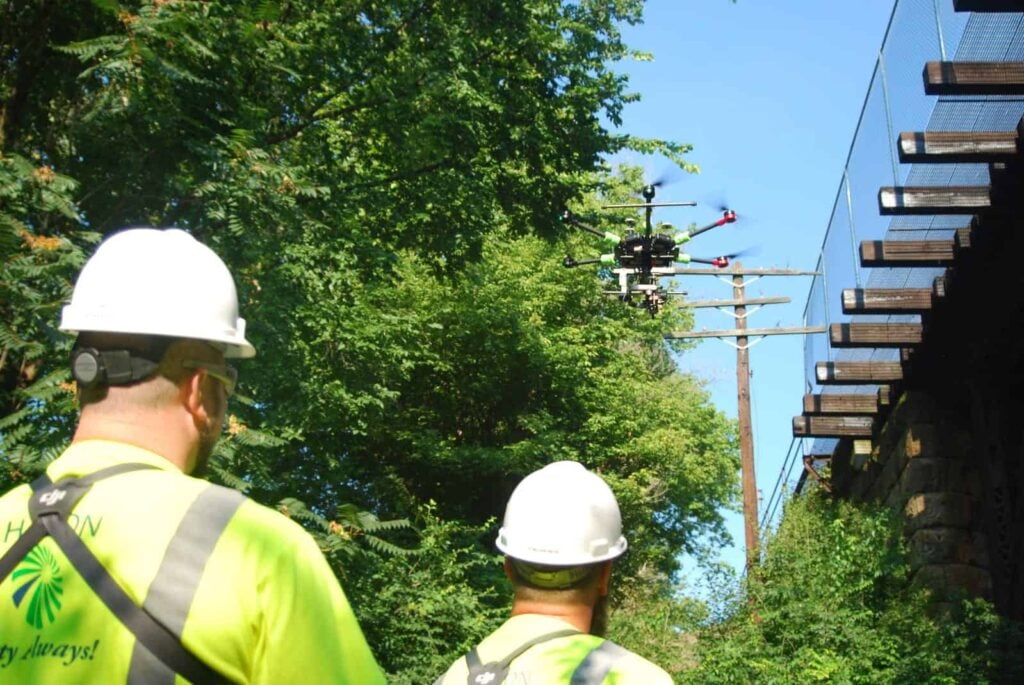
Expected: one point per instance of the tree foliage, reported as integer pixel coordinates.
(294, 137)
(384, 180)
(832, 603)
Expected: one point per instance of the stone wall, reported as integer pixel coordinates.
(921, 465)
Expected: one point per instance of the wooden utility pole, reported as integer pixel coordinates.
(742, 334)
(746, 429)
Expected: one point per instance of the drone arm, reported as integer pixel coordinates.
(569, 217)
(728, 217)
(606, 259)
(720, 262)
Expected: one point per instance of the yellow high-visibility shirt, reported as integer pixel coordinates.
(590, 659)
(255, 597)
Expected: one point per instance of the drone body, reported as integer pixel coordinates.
(641, 259)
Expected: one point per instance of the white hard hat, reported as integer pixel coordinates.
(562, 515)
(158, 282)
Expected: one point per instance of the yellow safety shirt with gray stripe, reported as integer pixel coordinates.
(245, 588)
(576, 659)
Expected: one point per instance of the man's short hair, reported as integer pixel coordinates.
(168, 353)
(544, 577)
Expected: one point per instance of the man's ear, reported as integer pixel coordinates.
(190, 392)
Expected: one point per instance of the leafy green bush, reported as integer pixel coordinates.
(421, 611)
(832, 602)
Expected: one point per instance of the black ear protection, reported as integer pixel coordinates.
(90, 367)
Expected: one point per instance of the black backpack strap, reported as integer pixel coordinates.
(36, 532)
(495, 672)
(41, 482)
(473, 660)
(50, 506)
(156, 638)
(22, 546)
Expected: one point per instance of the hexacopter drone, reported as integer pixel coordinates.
(640, 260)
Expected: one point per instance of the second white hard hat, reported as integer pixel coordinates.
(158, 282)
(562, 515)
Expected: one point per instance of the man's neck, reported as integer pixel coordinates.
(578, 616)
(140, 429)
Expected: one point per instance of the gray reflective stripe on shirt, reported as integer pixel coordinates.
(174, 587)
(597, 664)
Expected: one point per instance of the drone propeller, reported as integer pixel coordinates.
(723, 261)
(667, 177)
(728, 217)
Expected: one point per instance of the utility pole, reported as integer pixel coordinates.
(746, 429)
(742, 334)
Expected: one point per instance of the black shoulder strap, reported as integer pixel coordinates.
(36, 532)
(50, 506)
(495, 672)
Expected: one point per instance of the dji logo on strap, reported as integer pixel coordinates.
(485, 677)
(52, 497)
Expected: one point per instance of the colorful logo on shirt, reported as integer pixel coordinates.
(38, 578)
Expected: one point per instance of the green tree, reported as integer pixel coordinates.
(832, 603)
(384, 180)
(308, 142)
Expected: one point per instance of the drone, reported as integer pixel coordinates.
(641, 259)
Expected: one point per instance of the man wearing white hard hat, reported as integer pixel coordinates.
(561, 533)
(117, 565)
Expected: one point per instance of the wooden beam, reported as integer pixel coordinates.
(974, 78)
(942, 147)
(986, 5)
(736, 271)
(886, 300)
(907, 252)
(833, 426)
(746, 332)
(861, 453)
(698, 304)
(833, 403)
(915, 200)
(962, 236)
(857, 373)
(875, 334)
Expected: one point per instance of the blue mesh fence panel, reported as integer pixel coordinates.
(816, 346)
(870, 165)
(919, 31)
(838, 256)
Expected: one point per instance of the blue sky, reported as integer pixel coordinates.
(768, 93)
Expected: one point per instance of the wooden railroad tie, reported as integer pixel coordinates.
(974, 78)
(986, 5)
(918, 200)
(887, 300)
(847, 335)
(907, 252)
(952, 147)
(890, 253)
(833, 426)
(846, 403)
(857, 373)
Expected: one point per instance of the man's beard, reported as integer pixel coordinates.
(599, 620)
(207, 441)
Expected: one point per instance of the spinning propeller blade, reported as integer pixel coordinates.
(723, 261)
